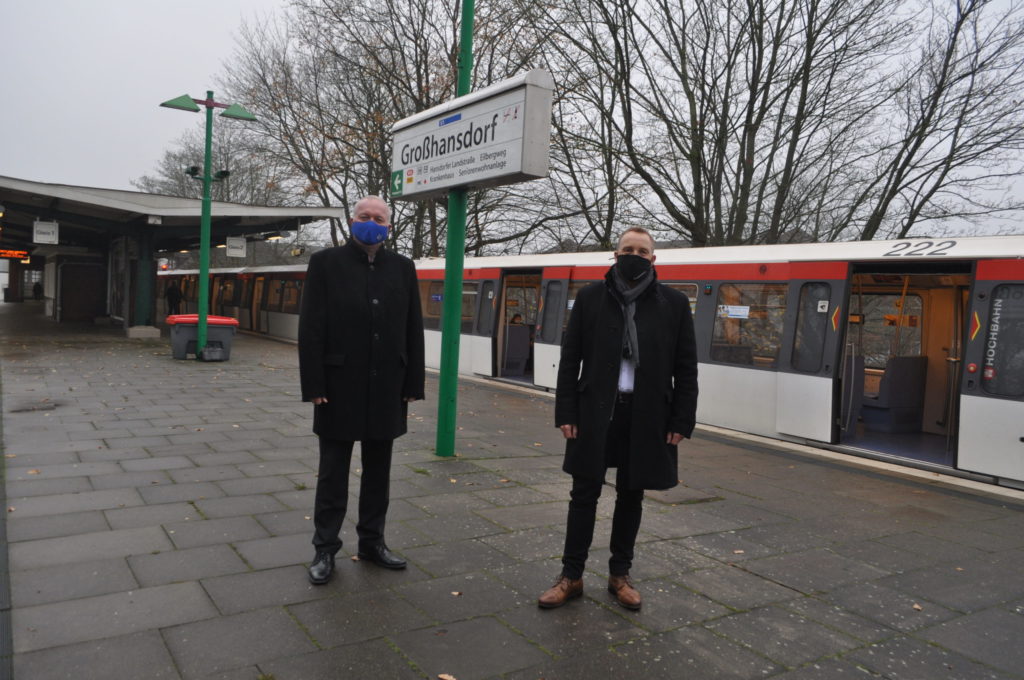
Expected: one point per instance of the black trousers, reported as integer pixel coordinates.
(585, 493)
(332, 492)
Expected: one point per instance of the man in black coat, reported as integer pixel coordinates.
(360, 363)
(626, 397)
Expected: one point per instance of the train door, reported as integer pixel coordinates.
(901, 359)
(256, 304)
(808, 363)
(481, 339)
(991, 436)
(519, 305)
(556, 296)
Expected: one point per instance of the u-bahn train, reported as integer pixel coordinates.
(908, 351)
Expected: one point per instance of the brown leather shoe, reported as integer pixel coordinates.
(564, 590)
(622, 588)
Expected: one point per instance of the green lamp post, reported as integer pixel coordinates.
(187, 103)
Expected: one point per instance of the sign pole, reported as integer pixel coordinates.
(451, 311)
(204, 234)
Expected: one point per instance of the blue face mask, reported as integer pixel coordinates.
(369, 233)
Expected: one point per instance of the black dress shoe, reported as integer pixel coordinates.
(322, 568)
(381, 556)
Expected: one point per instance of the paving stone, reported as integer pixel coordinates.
(139, 655)
(892, 608)
(65, 623)
(247, 486)
(70, 503)
(86, 547)
(48, 526)
(278, 551)
(275, 467)
(230, 642)
(836, 618)
(345, 661)
(157, 463)
(175, 493)
(534, 544)
(905, 658)
(813, 570)
(223, 458)
(46, 487)
(300, 498)
(234, 506)
(468, 650)
(127, 480)
(288, 522)
(355, 617)
(825, 670)
(692, 652)
(782, 636)
(459, 597)
(938, 549)
(456, 527)
(735, 588)
(70, 582)
(42, 471)
(191, 564)
(242, 592)
(210, 473)
(151, 515)
(882, 555)
(964, 586)
(993, 635)
(195, 533)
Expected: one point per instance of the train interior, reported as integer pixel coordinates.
(517, 323)
(901, 361)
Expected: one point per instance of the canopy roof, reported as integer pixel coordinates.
(89, 216)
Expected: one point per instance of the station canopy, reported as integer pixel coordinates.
(89, 217)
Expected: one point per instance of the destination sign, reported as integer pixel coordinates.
(498, 135)
(13, 254)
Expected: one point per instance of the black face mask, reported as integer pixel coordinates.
(632, 267)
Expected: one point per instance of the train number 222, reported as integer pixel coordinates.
(920, 249)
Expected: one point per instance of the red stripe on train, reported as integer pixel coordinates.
(1001, 270)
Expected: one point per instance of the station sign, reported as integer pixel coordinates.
(45, 232)
(498, 135)
(235, 245)
(13, 254)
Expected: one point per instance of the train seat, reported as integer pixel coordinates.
(899, 404)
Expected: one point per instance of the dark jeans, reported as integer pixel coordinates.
(583, 506)
(332, 492)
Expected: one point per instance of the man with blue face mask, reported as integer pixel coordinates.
(626, 397)
(360, 363)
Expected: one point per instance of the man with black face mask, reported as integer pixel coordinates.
(360, 363)
(626, 397)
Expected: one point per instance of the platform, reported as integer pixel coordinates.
(158, 526)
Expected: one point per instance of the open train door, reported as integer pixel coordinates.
(810, 369)
(991, 437)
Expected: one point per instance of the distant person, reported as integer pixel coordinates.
(173, 296)
(517, 319)
(360, 363)
(626, 396)
(37, 290)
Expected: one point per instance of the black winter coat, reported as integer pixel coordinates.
(360, 342)
(664, 390)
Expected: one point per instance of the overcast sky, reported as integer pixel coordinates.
(83, 79)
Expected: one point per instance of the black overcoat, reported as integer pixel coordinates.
(664, 389)
(360, 342)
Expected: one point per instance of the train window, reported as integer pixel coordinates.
(291, 296)
(574, 288)
(228, 292)
(549, 329)
(688, 289)
(748, 325)
(811, 327)
(431, 295)
(469, 291)
(1003, 372)
(485, 321)
(891, 327)
(275, 291)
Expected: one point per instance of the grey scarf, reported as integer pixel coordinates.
(627, 297)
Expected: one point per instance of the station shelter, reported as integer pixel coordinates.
(95, 250)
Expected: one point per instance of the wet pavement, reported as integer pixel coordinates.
(158, 526)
